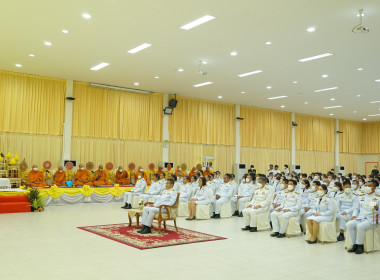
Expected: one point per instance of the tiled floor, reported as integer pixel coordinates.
(48, 245)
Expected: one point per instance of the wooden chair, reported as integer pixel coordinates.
(171, 214)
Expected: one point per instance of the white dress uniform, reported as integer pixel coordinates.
(292, 202)
(279, 199)
(154, 190)
(211, 186)
(225, 192)
(185, 192)
(245, 190)
(168, 197)
(325, 206)
(202, 194)
(137, 190)
(346, 203)
(364, 217)
(176, 186)
(262, 197)
(309, 203)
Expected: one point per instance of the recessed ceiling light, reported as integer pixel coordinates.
(295, 82)
(136, 84)
(243, 92)
(233, 53)
(332, 99)
(65, 31)
(139, 48)
(358, 15)
(306, 103)
(360, 69)
(374, 115)
(203, 84)
(197, 22)
(47, 43)
(325, 89)
(331, 114)
(315, 57)
(250, 73)
(99, 66)
(268, 43)
(180, 70)
(220, 96)
(311, 29)
(277, 97)
(325, 76)
(358, 95)
(378, 80)
(31, 55)
(372, 102)
(282, 106)
(18, 65)
(204, 62)
(332, 107)
(354, 112)
(86, 16)
(364, 119)
(269, 87)
(156, 77)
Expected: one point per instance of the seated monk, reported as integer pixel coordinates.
(192, 172)
(101, 177)
(207, 171)
(141, 170)
(82, 177)
(60, 177)
(178, 170)
(36, 177)
(121, 176)
(160, 170)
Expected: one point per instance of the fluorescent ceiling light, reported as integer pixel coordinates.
(136, 84)
(295, 82)
(377, 80)
(233, 53)
(325, 76)
(374, 102)
(156, 77)
(32, 55)
(325, 89)
(282, 106)
(18, 65)
(120, 88)
(314, 57)
(86, 15)
(243, 92)
(268, 43)
(375, 115)
(203, 84)
(355, 112)
(358, 95)
(250, 73)
(269, 87)
(65, 31)
(311, 29)
(332, 99)
(332, 107)
(48, 43)
(99, 66)
(277, 97)
(180, 70)
(331, 114)
(139, 48)
(197, 22)
(360, 69)
(220, 97)
(306, 102)
(364, 119)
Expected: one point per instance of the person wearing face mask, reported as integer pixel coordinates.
(140, 171)
(154, 190)
(176, 183)
(288, 208)
(277, 183)
(278, 197)
(270, 170)
(243, 195)
(346, 204)
(100, 177)
(309, 203)
(179, 170)
(222, 196)
(260, 203)
(185, 190)
(286, 169)
(252, 169)
(363, 217)
(336, 191)
(82, 177)
(179, 177)
(36, 177)
(60, 177)
(355, 187)
(322, 212)
(121, 176)
(201, 197)
(139, 188)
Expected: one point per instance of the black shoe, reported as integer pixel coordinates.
(281, 235)
(274, 234)
(246, 228)
(125, 206)
(129, 206)
(141, 230)
(312, 242)
(301, 228)
(236, 213)
(360, 250)
(146, 230)
(271, 225)
(217, 216)
(353, 249)
(253, 229)
(213, 215)
(340, 237)
(241, 214)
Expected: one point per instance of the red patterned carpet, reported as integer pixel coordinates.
(128, 235)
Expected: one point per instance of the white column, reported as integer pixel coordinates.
(165, 130)
(67, 125)
(237, 135)
(293, 143)
(337, 163)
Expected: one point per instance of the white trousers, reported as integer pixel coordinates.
(250, 216)
(127, 198)
(148, 215)
(285, 220)
(241, 202)
(216, 204)
(357, 230)
(343, 220)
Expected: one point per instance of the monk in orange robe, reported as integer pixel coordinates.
(122, 176)
(36, 177)
(141, 170)
(101, 177)
(82, 177)
(60, 177)
(160, 170)
(192, 172)
(207, 171)
(178, 170)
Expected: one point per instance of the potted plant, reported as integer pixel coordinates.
(37, 203)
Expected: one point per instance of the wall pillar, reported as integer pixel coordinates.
(67, 125)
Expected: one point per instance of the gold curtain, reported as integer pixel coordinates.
(34, 148)
(315, 161)
(119, 152)
(262, 157)
(202, 122)
(371, 138)
(314, 133)
(31, 104)
(265, 128)
(191, 154)
(224, 158)
(106, 113)
(350, 162)
(350, 141)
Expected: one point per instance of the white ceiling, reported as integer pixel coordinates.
(244, 26)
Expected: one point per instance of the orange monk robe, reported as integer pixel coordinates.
(60, 178)
(159, 171)
(82, 177)
(122, 178)
(206, 172)
(191, 173)
(37, 176)
(101, 178)
(175, 173)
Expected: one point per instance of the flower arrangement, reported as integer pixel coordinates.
(141, 204)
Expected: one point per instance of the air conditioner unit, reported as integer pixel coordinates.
(239, 171)
(297, 168)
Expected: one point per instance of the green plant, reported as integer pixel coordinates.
(35, 204)
(34, 194)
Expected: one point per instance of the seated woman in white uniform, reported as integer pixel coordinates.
(322, 212)
(185, 190)
(337, 191)
(346, 204)
(201, 197)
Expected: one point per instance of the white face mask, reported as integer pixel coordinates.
(247, 180)
(290, 188)
(360, 183)
(321, 193)
(141, 169)
(367, 189)
(354, 177)
(260, 185)
(139, 176)
(179, 168)
(82, 168)
(60, 171)
(315, 178)
(35, 168)
(303, 186)
(120, 170)
(313, 188)
(347, 190)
